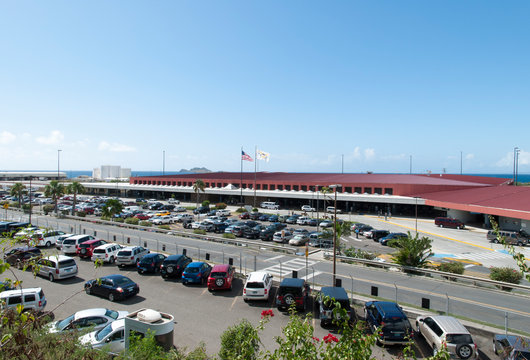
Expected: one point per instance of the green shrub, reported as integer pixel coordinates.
(48, 209)
(229, 236)
(65, 212)
(26, 208)
(81, 213)
(199, 232)
(453, 267)
(255, 210)
(220, 206)
(240, 341)
(359, 254)
(145, 223)
(106, 218)
(164, 227)
(206, 203)
(505, 274)
(119, 220)
(132, 221)
(241, 210)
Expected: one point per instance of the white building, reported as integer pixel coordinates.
(111, 172)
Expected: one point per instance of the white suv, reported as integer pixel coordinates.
(106, 253)
(130, 255)
(439, 331)
(70, 244)
(258, 286)
(30, 299)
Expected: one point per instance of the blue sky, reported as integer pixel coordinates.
(376, 82)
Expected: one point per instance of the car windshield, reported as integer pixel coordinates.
(112, 314)
(459, 339)
(101, 334)
(64, 323)
(66, 263)
(218, 274)
(121, 281)
(255, 285)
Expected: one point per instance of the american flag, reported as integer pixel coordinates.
(245, 156)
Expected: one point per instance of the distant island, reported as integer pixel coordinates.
(196, 170)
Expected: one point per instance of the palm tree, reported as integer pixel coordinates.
(325, 190)
(412, 250)
(17, 190)
(198, 186)
(111, 208)
(54, 190)
(75, 188)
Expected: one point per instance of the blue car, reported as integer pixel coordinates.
(390, 320)
(392, 236)
(196, 272)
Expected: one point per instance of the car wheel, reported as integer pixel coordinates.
(48, 244)
(519, 243)
(289, 299)
(111, 260)
(51, 278)
(495, 241)
(464, 351)
(19, 265)
(88, 290)
(111, 297)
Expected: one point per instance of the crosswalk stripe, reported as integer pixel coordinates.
(312, 275)
(275, 258)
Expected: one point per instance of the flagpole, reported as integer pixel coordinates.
(255, 170)
(241, 182)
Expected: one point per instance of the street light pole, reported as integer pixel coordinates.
(318, 220)
(416, 215)
(335, 187)
(58, 167)
(30, 204)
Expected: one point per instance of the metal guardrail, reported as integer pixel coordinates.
(442, 274)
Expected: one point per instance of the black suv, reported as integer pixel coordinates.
(253, 232)
(173, 266)
(201, 210)
(394, 324)
(338, 294)
(293, 291)
(19, 256)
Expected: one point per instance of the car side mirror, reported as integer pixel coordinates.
(107, 340)
(420, 320)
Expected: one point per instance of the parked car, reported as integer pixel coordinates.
(300, 232)
(150, 263)
(130, 255)
(331, 209)
(173, 201)
(201, 210)
(113, 287)
(111, 337)
(28, 298)
(449, 222)
(293, 292)
(196, 272)
(254, 215)
(221, 277)
(46, 238)
(519, 238)
(302, 220)
(252, 232)
(206, 225)
(311, 222)
(108, 253)
(56, 267)
(161, 220)
(390, 237)
(282, 236)
(21, 256)
(174, 265)
(223, 212)
(292, 219)
(60, 239)
(337, 295)
(71, 244)
(244, 216)
(362, 228)
(219, 227)
(273, 218)
(326, 224)
(85, 249)
(96, 318)
(390, 320)
(267, 234)
(511, 347)
(264, 217)
(257, 286)
(180, 209)
(307, 208)
(299, 240)
(379, 234)
(446, 331)
(317, 239)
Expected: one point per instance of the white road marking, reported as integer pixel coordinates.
(310, 275)
(275, 258)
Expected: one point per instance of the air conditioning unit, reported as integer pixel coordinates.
(149, 316)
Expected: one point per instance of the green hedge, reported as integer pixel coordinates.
(453, 267)
(229, 236)
(132, 221)
(199, 232)
(164, 227)
(241, 210)
(145, 223)
(505, 274)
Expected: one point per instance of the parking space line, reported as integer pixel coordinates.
(234, 302)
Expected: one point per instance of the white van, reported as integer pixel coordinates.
(56, 267)
(70, 244)
(30, 299)
(223, 212)
(269, 205)
(331, 209)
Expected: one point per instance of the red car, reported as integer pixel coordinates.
(221, 277)
(244, 215)
(84, 250)
(142, 216)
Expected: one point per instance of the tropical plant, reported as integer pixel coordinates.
(54, 190)
(111, 208)
(132, 221)
(240, 341)
(145, 223)
(325, 190)
(75, 188)
(412, 250)
(359, 254)
(18, 189)
(198, 186)
(505, 274)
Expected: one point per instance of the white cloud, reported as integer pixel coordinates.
(115, 147)
(369, 154)
(394, 157)
(55, 137)
(6, 137)
(507, 160)
(470, 156)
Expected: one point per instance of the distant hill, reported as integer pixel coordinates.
(196, 170)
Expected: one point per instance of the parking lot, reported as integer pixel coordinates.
(200, 316)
